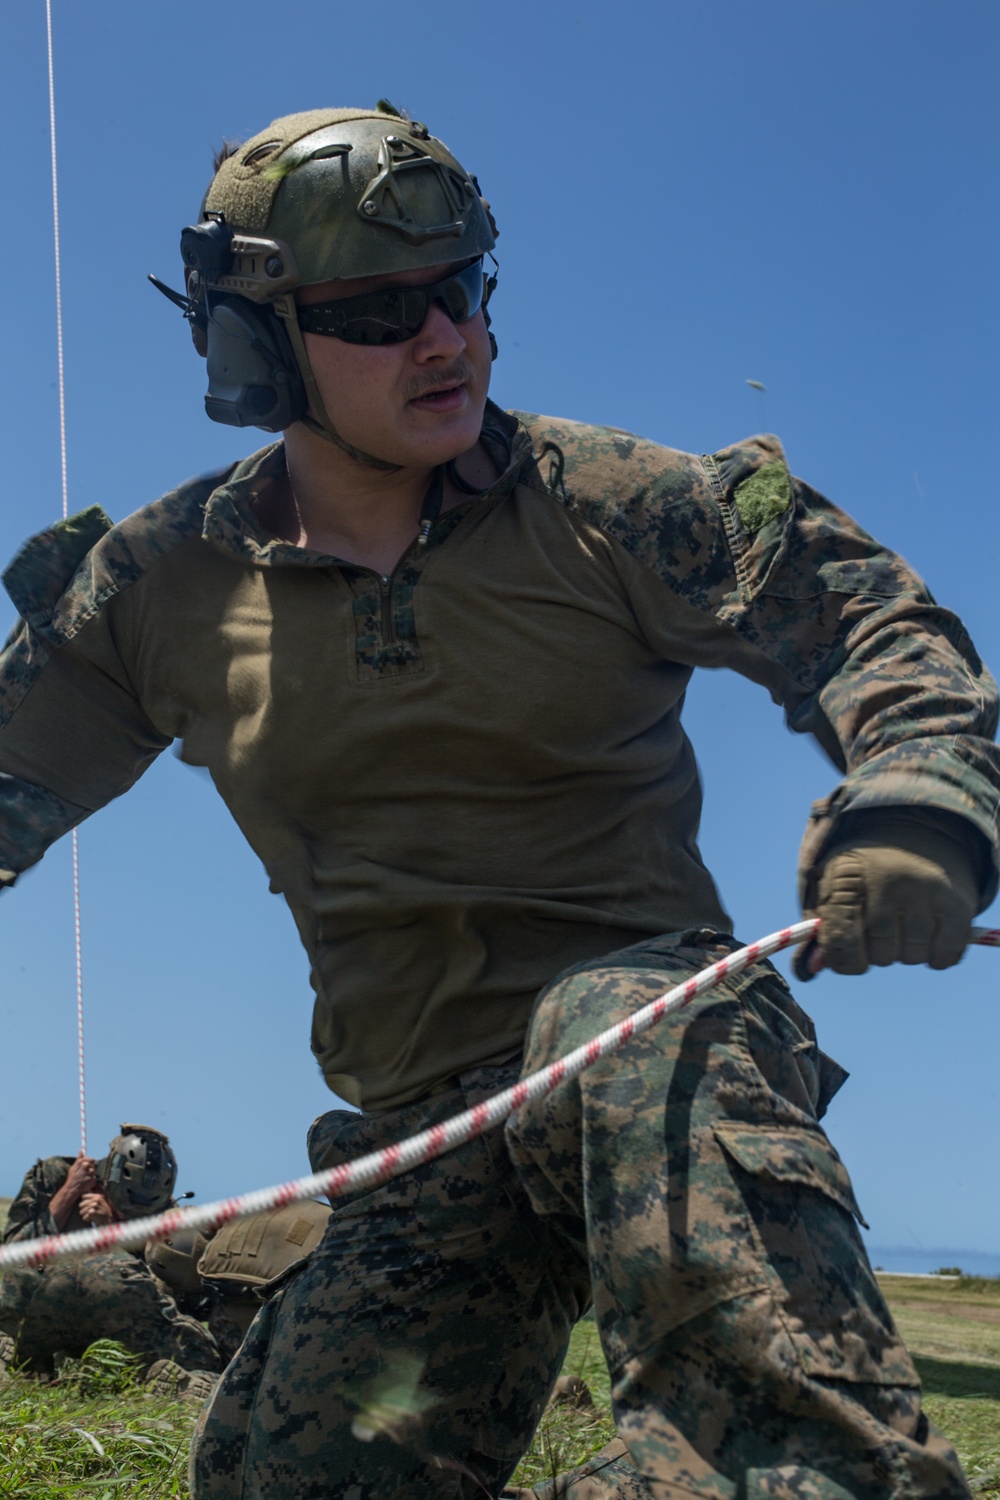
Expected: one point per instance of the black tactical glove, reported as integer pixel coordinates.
(904, 891)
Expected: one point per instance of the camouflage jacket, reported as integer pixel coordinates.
(471, 774)
(29, 1217)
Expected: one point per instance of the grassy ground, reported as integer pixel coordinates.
(953, 1332)
(951, 1328)
(568, 1435)
(96, 1432)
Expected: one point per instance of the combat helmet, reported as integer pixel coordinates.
(139, 1172)
(175, 1261)
(318, 196)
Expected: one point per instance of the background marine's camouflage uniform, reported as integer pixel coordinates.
(63, 1306)
(462, 794)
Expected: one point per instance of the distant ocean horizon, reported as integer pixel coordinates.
(907, 1258)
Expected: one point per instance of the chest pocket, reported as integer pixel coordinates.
(385, 632)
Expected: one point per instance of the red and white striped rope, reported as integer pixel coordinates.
(393, 1161)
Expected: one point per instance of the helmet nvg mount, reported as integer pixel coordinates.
(319, 196)
(139, 1172)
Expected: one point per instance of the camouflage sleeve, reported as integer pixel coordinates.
(765, 576)
(62, 676)
(30, 820)
(28, 1217)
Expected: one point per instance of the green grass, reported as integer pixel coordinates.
(964, 1401)
(952, 1329)
(95, 1432)
(568, 1435)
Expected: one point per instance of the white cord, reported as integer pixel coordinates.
(65, 511)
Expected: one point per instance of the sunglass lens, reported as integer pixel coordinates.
(462, 294)
(397, 314)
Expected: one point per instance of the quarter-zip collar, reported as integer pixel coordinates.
(232, 524)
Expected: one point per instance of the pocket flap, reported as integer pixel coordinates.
(41, 572)
(790, 1153)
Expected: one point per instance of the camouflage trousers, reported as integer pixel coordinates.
(685, 1187)
(62, 1307)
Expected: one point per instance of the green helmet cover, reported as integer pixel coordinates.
(349, 193)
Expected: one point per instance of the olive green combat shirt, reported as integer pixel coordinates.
(472, 774)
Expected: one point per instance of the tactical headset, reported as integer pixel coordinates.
(254, 379)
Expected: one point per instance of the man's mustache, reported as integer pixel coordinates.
(459, 372)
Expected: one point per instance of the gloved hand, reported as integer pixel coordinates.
(905, 891)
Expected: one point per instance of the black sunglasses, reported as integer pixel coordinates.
(398, 312)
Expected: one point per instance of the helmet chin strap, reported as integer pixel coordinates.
(317, 419)
(324, 428)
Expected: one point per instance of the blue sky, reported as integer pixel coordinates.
(690, 195)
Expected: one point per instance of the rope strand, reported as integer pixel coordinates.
(65, 511)
(55, 233)
(393, 1161)
(79, 992)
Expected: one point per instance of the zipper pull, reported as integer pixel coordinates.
(431, 508)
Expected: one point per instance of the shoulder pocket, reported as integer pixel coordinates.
(40, 573)
(755, 494)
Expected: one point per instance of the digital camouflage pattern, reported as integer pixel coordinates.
(344, 718)
(28, 1217)
(57, 582)
(412, 1354)
(67, 1304)
(31, 819)
(686, 1184)
(838, 622)
(750, 1350)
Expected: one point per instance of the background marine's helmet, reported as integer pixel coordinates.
(319, 196)
(175, 1260)
(138, 1174)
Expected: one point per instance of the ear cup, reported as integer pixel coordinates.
(253, 379)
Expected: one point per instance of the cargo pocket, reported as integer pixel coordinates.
(802, 1206)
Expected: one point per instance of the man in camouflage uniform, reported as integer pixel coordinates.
(65, 1305)
(434, 655)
